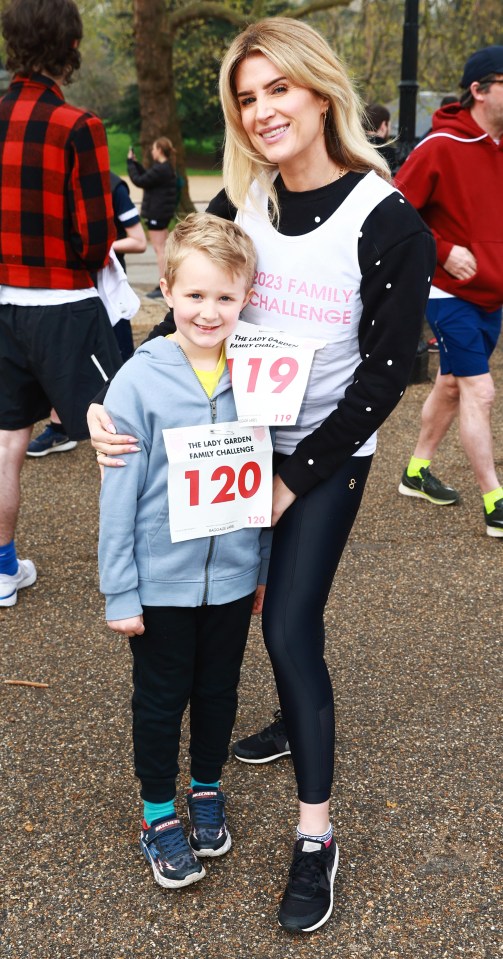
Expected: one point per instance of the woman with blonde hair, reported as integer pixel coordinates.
(341, 256)
(159, 195)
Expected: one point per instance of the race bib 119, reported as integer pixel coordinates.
(269, 371)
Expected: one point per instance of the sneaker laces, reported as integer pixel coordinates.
(207, 812)
(278, 726)
(171, 842)
(305, 871)
(432, 480)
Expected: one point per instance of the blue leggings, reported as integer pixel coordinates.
(308, 543)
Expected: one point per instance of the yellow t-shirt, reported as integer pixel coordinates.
(209, 378)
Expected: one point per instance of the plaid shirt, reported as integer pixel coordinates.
(56, 216)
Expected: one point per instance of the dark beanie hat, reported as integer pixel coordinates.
(481, 64)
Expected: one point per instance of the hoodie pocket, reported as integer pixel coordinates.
(172, 562)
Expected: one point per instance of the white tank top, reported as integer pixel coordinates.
(309, 285)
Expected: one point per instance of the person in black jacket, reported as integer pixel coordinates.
(378, 130)
(159, 195)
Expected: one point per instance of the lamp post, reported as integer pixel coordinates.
(408, 85)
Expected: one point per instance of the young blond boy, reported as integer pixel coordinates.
(185, 606)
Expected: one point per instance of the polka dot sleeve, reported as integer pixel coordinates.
(397, 259)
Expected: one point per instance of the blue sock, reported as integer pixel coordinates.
(157, 810)
(194, 784)
(8, 559)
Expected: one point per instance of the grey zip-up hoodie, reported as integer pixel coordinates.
(139, 565)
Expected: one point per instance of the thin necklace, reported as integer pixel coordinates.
(340, 173)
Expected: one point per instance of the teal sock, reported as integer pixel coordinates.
(198, 785)
(157, 810)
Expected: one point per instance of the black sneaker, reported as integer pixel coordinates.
(50, 441)
(494, 520)
(432, 345)
(166, 849)
(428, 487)
(209, 835)
(155, 294)
(309, 896)
(265, 746)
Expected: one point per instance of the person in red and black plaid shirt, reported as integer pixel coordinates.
(56, 229)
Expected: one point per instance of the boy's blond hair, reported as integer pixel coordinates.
(223, 241)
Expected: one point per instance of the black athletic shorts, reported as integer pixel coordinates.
(54, 356)
(157, 224)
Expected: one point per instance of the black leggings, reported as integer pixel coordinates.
(308, 543)
(186, 656)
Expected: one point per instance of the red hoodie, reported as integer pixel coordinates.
(454, 178)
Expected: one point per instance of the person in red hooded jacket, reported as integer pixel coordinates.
(454, 178)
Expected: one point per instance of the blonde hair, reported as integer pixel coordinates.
(305, 58)
(223, 241)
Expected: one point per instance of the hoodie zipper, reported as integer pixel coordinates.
(213, 413)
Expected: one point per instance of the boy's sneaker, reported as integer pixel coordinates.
(494, 520)
(166, 849)
(309, 896)
(9, 585)
(432, 345)
(428, 487)
(265, 746)
(209, 835)
(50, 441)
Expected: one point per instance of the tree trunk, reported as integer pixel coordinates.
(155, 33)
(154, 39)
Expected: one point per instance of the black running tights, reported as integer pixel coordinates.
(308, 543)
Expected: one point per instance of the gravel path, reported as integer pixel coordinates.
(413, 633)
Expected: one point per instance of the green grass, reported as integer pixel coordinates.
(119, 143)
(118, 146)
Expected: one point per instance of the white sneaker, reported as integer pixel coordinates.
(9, 585)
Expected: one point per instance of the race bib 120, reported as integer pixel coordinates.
(219, 479)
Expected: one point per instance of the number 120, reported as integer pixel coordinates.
(228, 474)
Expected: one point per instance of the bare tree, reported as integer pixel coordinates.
(156, 28)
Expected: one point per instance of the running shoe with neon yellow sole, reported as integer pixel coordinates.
(427, 486)
(494, 520)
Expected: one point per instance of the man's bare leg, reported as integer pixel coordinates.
(13, 446)
(439, 411)
(475, 405)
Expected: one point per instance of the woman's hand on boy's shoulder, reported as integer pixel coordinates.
(105, 439)
(128, 627)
